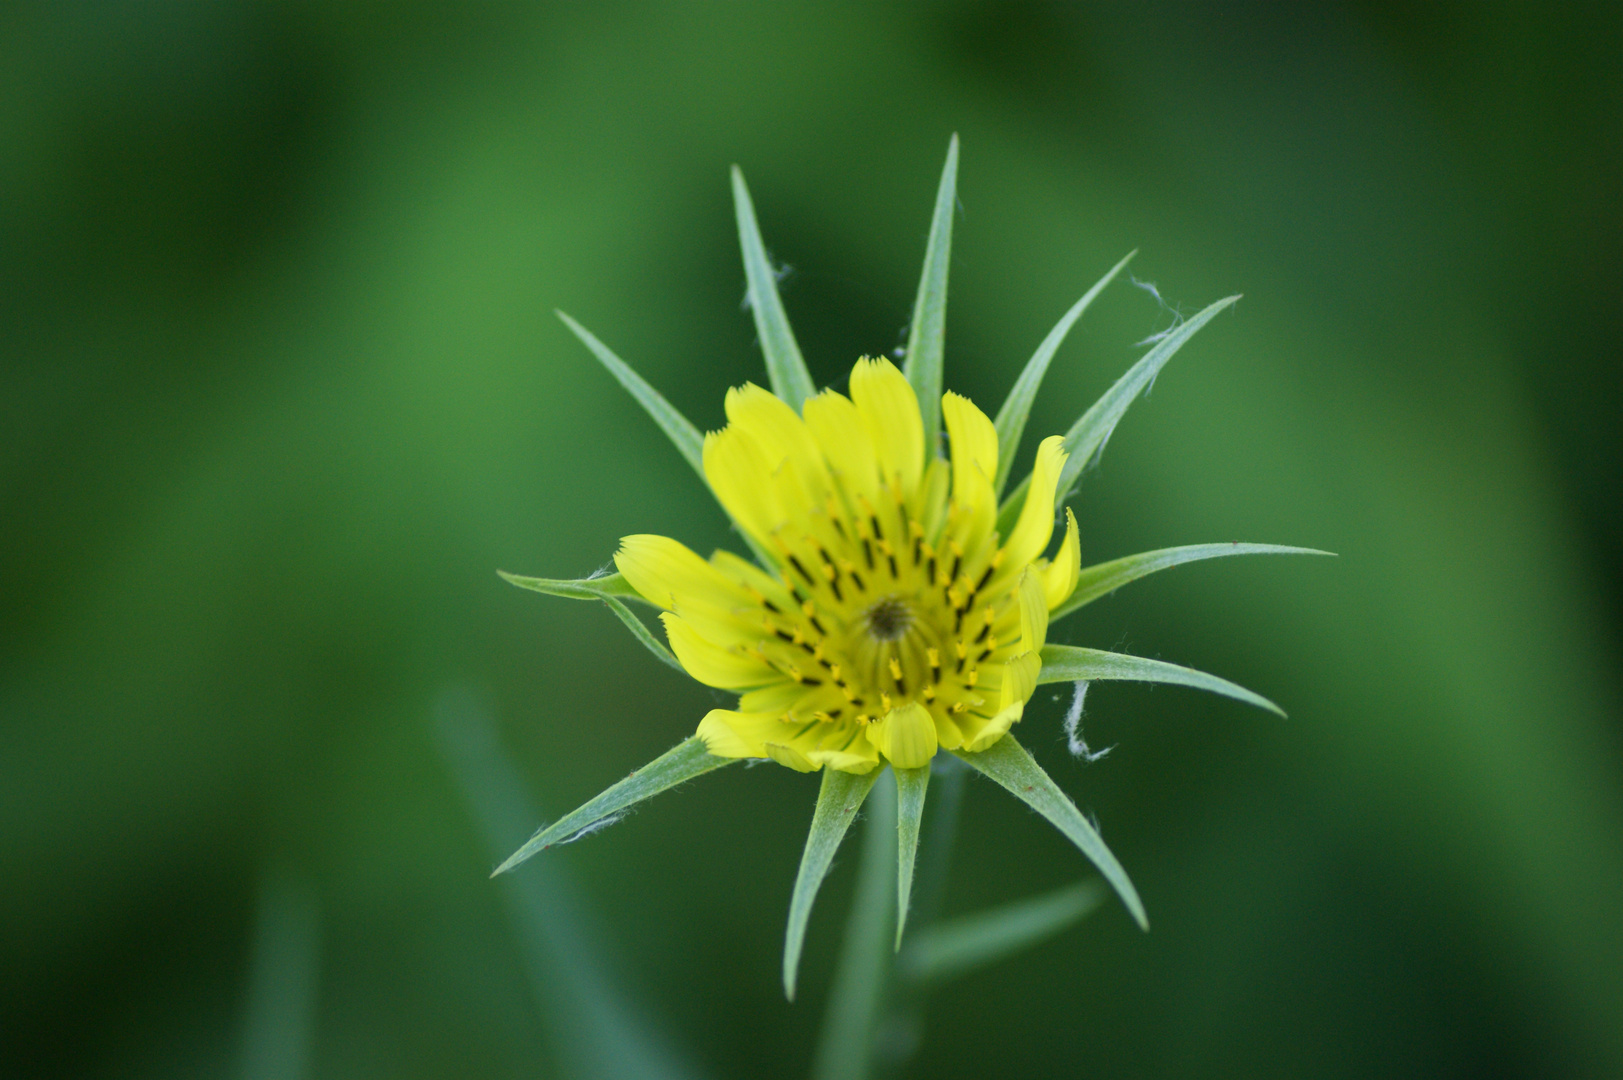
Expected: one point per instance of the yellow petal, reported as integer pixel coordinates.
(838, 749)
(1033, 612)
(777, 699)
(1036, 524)
(668, 574)
(841, 435)
(739, 734)
(974, 464)
(890, 411)
(906, 735)
(1059, 579)
(974, 447)
(785, 754)
(751, 576)
(782, 437)
(1019, 681)
(712, 664)
(737, 473)
(993, 730)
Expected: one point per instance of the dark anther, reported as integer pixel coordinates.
(794, 561)
(980, 637)
(867, 552)
(981, 584)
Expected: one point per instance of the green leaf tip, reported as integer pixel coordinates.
(1011, 418)
(1071, 663)
(678, 428)
(838, 801)
(683, 762)
(1087, 437)
(926, 333)
(1104, 578)
(911, 785)
(1010, 765)
(956, 946)
(785, 367)
(609, 588)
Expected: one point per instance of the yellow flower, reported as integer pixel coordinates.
(895, 619)
(899, 602)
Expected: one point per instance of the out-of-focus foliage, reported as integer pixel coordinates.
(280, 390)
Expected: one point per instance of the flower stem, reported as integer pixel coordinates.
(845, 1051)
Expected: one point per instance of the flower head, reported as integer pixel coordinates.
(899, 603)
(893, 618)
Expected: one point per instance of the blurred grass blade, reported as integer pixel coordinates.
(838, 801)
(1011, 418)
(861, 987)
(283, 977)
(594, 1031)
(1009, 764)
(785, 367)
(926, 332)
(1087, 437)
(1072, 663)
(685, 761)
(1104, 578)
(911, 785)
(953, 947)
(608, 588)
(675, 426)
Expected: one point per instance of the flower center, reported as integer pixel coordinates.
(889, 619)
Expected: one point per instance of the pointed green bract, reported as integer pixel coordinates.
(641, 632)
(1105, 578)
(838, 801)
(785, 367)
(1087, 437)
(592, 588)
(608, 588)
(911, 785)
(1007, 762)
(676, 427)
(861, 986)
(928, 328)
(955, 946)
(683, 762)
(1071, 663)
(1011, 418)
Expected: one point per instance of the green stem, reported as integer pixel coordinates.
(845, 1050)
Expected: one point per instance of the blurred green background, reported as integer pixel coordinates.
(280, 390)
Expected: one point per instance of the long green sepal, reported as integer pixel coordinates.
(785, 367)
(911, 785)
(1087, 437)
(592, 588)
(1071, 663)
(681, 763)
(955, 946)
(641, 632)
(838, 801)
(1007, 762)
(861, 988)
(927, 331)
(609, 589)
(678, 428)
(1011, 418)
(1105, 578)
